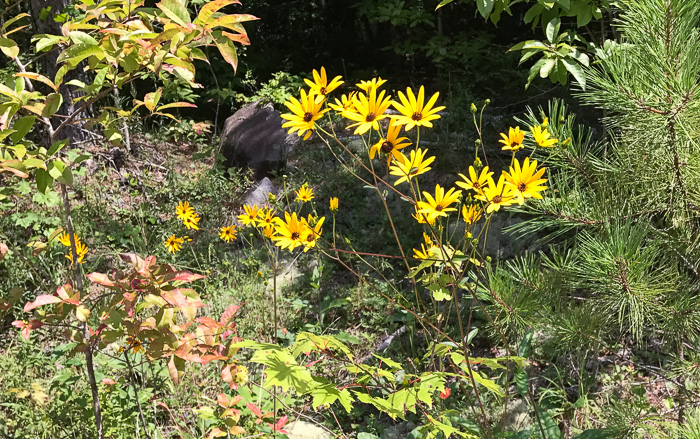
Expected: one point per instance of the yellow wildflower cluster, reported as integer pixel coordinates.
(367, 111)
(540, 135)
(80, 248)
(186, 213)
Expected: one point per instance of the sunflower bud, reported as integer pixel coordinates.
(487, 102)
(473, 108)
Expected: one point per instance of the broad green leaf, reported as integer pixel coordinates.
(584, 16)
(43, 180)
(533, 12)
(22, 127)
(576, 70)
(228, 51)
(485, 7)
(565, 4)
(74, 54)
(79, 37)
(488, 383)
(547, 67)
(46, 42)
(440, 294)
(9, 48)
(552, 28)
(52, 104)
(34, 163)
(176, 11)
(550, 427)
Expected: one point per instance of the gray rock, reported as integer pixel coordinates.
(254, 138)
(306, 430)
(259, 195)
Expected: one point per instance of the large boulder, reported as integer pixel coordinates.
(254, 138)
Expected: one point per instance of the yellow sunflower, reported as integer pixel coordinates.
(372, 84)
(422, 218)
(191, 221)
(265, 218)
(304, 113)
(496, 195)
(289, 232)
(524, 181)
(334, 204)
(305, 193)
(250, 215)
(413, 112)
(514, 140)
(320, 85)
(368, 110)
(174, 244)
(390, 145)
(80, 248)
(542, 137)
(312, 233)
(344, 104)
(475, 183)
(183, 210)
(440, 205)
(408, 167)
(228, 234)
(471, 214)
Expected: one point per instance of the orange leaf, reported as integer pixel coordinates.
(41, 300)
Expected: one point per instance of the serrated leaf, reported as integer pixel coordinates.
(521, 381)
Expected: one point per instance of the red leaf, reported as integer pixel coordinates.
(101, 279)
(65, 291)
(183, 276)
(446, 393)
(108, 381)
(229, 314)
(44, 299)
(223, 400)
(209, 322)
(253, 408)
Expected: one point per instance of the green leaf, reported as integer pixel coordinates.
(52, 104)
(439, 293)
(228, 51)
(599, 433)
(485, 7)
(552, 28)
(13, 19)
(526, 344)
(585, 16)
(576, 70)
(22, 127)
(74, 54)
(533, 12)
(9, 48)
(175, 11)
(521, 380)
(79, 37)
(547, 66)
(43, 180)
(549, 425)
(443, 3)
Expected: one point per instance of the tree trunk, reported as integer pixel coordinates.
(47, 65)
